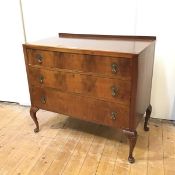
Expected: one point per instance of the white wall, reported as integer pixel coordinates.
(47, 18)
(13, 82)
(156, 18)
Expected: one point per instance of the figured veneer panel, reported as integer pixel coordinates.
(96, 64)
(81, 62)
(109, 89)
(78, 106)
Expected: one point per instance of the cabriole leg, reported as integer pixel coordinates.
(147, 117)
(132, 137)
(33, 111)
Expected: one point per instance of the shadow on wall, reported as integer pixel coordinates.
(173, 110)
(159, 96)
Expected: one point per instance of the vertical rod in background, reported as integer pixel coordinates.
(23, 23)
(136, 18)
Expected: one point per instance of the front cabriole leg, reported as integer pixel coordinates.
(147, 117)
(132, 137)
(33, 111)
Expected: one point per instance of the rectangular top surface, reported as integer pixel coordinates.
(105, 43)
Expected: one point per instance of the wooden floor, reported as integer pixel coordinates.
(72, 147)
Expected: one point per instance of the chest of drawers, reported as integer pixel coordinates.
(104, 79)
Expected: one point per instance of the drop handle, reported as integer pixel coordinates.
(39, 58)
(114, 91)
(114, 67)
(43, 99)
(113, 115)
(41, 79)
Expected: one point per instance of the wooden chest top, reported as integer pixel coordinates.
(126, 46)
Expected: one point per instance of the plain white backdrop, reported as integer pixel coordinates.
(13, 84)
(125, 17)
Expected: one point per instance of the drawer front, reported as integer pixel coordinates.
(109, 89)
(78, 106)
(118, 67)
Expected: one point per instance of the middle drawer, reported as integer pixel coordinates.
(109, 89)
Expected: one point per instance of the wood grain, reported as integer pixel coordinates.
(81, 62)
(144, 75)
(87, 85)
(19, 143)
(120, 46)
(108, 37)
(90, 109)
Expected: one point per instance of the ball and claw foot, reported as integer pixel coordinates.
(147, 117)
(146, 128)
(33, 111)
(131, 159)
(132, 137)
(36, 130)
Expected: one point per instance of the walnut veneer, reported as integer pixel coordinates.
(104, 79)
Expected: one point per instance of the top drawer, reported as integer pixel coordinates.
(80, 62)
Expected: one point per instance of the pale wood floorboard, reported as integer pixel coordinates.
(66, 146)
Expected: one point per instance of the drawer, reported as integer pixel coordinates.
(109, 89)
(118, 67)
(98, 111)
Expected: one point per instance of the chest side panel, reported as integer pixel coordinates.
(144, 82)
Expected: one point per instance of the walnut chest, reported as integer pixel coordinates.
(104, 79)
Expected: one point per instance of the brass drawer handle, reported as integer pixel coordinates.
(41, 79)
(39, 58)
(114, 91)
(114, 67)
(113, 115)
(43, 99)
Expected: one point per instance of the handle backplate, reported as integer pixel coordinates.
(114, 91)
(43, 99)
(39, 58)
(113, 115)
(41, 79)
(114, 67)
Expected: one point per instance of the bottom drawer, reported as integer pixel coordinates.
(98, 111)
